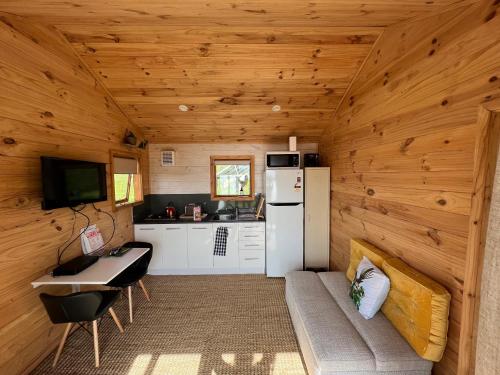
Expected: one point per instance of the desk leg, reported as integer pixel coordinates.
(75, 288)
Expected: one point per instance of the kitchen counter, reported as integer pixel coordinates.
(211, 218)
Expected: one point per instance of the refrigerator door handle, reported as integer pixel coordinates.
(284, 204)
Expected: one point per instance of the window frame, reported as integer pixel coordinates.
(117, 204)
(213, 178)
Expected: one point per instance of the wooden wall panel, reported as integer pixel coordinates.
(50, 104)
(401, 146)
(191, 173)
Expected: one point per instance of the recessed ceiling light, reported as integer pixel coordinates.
(276, 108)
(183, 108)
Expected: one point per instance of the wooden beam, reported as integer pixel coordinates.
(485, 162)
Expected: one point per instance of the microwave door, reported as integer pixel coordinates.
(278, 161)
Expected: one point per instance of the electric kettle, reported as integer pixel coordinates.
(170, 210)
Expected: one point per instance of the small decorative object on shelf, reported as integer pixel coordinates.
(130, 138)
(142, 144)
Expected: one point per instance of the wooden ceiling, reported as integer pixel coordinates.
(228, 61)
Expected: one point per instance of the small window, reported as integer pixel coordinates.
(232, 177)
(127, 180)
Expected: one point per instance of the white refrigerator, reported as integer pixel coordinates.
(284, 221)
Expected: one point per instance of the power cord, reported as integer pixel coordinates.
(63, 248)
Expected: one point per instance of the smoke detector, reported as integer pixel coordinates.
(276, 108)
(183, 108)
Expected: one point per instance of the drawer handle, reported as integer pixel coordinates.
(251, 258)
(253, 236)
(252, 244)
(172, 228)
(199, 228)
(146, 228)
(250, 227)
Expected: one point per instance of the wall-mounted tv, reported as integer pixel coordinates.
(68, 183)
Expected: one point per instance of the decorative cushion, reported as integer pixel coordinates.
(361, 248)
(369, 289)
(418, 308)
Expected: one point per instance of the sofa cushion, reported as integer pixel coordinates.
(391, 351)
(327, 334)
(360, 249)
(418, 307)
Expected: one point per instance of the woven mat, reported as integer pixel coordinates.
(213, 325)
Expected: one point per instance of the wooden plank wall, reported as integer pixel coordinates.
(50, 104)
(191, 173)
(401, 146)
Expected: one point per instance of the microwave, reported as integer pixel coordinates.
(283, 160)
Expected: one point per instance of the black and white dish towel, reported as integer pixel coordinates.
(221, 241)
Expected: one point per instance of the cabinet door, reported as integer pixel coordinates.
(153, 234)
(175, 249)
(317, 218)
(231, 259)
(200, 246)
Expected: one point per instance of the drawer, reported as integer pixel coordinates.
(252, 236)
(252, 227)
(252, 245)
(252, 259)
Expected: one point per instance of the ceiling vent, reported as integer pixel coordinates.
(168, 158)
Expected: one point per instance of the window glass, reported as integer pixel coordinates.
(127, 181)
(231, 177)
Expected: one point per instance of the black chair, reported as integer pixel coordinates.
(134, 273)
(78, 308)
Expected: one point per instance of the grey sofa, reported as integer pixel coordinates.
(336, 340)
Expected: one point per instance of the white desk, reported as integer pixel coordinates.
(99, 273)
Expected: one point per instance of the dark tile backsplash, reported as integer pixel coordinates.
(156, 203)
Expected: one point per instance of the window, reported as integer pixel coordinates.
(232, 177)
(127, 179)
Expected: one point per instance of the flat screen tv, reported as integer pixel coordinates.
(68, 183)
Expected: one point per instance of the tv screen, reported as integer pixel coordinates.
(68, 183)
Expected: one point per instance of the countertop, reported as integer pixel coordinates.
(209, 219)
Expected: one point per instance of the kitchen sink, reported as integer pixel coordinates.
(224, 217)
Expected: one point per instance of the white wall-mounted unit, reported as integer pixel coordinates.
(317, 218)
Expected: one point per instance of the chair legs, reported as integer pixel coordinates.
(115, 318)
(96, 343)
(96, 337)
(61, 344)
(130, 303)
(141, 284)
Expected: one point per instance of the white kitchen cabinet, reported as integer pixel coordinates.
(231, 259)
(153, 234)
(252, 246)
(184, 249)
(252, 260)
(175, 248)
(317, 218)
(200, 246)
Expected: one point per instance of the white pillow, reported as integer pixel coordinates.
(370, 292)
